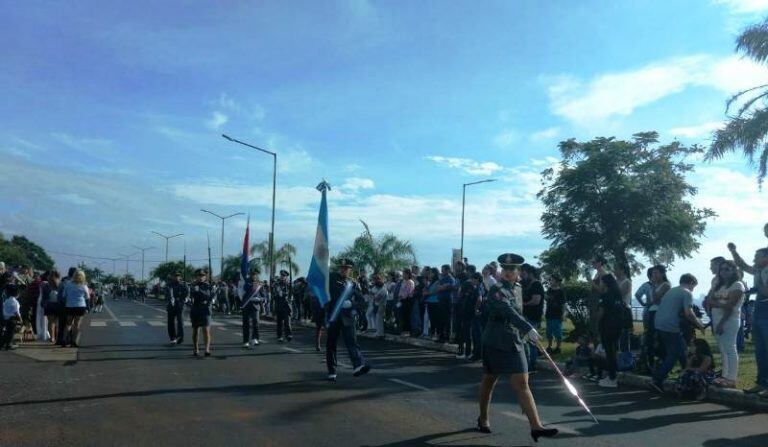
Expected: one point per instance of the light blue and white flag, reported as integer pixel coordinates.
(317, 278)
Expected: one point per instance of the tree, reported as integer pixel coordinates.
(91, 274)
(618, 198)
(284, 254)
(21, 251)
(747, 129)
(165, 271)
(379, 254)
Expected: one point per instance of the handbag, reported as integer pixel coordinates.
(626, 358)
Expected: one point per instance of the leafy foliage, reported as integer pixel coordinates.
(618, 198)
(747, 129)
(579, 302)
(92, 274)
(284, 254)
(379, 254)
(21, 251)
(165, 271)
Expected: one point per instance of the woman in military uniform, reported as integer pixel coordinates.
(200, 313)
(503, 352)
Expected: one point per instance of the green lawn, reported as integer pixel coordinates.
(747, 366)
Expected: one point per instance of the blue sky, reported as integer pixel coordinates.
(112, 113)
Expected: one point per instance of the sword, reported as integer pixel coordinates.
(572, 389)
(344, 295)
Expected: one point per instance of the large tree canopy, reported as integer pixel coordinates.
(379, 254)
(747, 128)
(21, 251)
(165, 271)
(619, 198)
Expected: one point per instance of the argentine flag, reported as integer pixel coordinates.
(317, 278)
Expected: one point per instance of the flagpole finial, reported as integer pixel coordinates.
(324, 186)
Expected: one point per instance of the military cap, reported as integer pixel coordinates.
(177, 273)
(344, 262)
(200, 272)
(255, 270)
(510, 260)
(284, 273)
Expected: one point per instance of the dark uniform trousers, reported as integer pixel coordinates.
(350, 340)
(283, 317)
(176, 322)
(250, 322)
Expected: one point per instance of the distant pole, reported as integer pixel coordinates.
(142, 250)
(274, 189)
(463, 202)
(223, 218)
(167, 238)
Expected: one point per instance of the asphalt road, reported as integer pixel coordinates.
(125, 386)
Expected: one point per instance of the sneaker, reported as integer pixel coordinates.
(608, 383)
(461, 357)
(659, 388)
(755, 389)
(332, 377)
(255, 342)
(280, 339)
(360, 370)
(172, 343)
(246, 345)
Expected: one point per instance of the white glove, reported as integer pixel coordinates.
(534, 336)
(346, 304)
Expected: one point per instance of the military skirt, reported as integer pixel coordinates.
(497, 361)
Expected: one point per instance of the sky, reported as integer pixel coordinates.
(112, 115)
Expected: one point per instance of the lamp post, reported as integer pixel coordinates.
(142, 250)
(166, 241)
(223, 218)
(127, 258)
(274, 188)
(463, 203)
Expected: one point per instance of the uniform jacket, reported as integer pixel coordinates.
(202, 297)
(337, 286)
(505, 322)
(281, 297)
(254, 294)
(176, 293)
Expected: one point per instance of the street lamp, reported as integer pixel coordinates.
(223, 218)
(166, 241)
(463, 202)
(127, 258)
(274, 188)
(142, 250)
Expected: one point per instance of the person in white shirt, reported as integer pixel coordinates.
(11, 316)
(726, 317)
(625, 284)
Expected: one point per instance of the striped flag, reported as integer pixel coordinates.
(244, 261)
(317, 278)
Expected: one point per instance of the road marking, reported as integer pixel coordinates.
(156, 323)
(152, 307)
(524, 418)
(222, 328)
(292, 350)
(127, 323)
(111, 314)
(409, 384)
(99, 323)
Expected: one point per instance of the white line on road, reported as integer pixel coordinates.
(156, 323)
(111, 314)
(292, 350)
(100, 323)
(152, 307)
(409, 384)
(127, 323)
(222, 328)
(524, 418)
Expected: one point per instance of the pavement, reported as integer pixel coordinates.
(126, 386)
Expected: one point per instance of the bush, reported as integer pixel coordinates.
(578, 301)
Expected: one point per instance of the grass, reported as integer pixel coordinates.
(747, 365)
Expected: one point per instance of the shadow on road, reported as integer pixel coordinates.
(434, 439)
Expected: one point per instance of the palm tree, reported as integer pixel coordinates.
(283, 255)
(379, 254)
(748, 128)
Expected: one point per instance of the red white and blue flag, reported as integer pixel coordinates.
(245, 260)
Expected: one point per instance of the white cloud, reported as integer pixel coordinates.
(744, 6)
(620, 93)
(467, 165)
(96, 147)
(505, 139)
(213, 192)
(75, 199)
(217, 120)
(354, 184)
(546, 134)
(697, 131)
(294, 160)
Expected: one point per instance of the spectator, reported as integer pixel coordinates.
(533, 306)
(625, 284)
(63, 334)
(609, 319)
(11, 316)
(51, 303)
(644, 296)
(445, 292)
(660, 285)
(417, 310)
(432, 312)
(405, 301)
(555, 313)
(76, 295)
(380, 295)
(677, 301)
(726, 309)
(699, 371)
(470, 294)
(759, 269)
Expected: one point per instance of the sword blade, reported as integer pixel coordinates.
(572, 389)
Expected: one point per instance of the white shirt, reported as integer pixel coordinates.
(10, 307)
(721, 295)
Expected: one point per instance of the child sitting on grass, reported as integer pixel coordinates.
(581, 358)
(597, 364)
(699, 371)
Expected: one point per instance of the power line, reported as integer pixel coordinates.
(102, 258)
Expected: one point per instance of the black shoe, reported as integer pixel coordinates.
(207, 353)
(196, 354)
(359, 371)
(483, 428)
(317, 348)
(546, 433)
